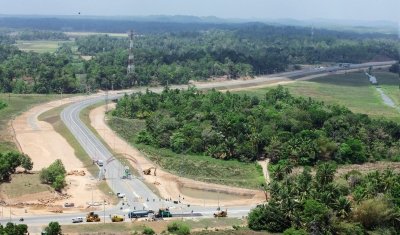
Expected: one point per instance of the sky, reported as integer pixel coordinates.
(370, 10)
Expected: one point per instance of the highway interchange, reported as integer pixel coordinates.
(136, 191)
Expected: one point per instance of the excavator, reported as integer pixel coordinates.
(92, 217)
(148, 171)
(221, 213)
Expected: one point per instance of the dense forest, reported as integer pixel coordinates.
(353, 203)
(280, 127)
(177, 57)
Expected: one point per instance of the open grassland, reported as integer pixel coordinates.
(352, 90)
(201, 168)
(158, 226)
(17, 103)
(53, 117)
(24, 183)
(390, 84)
(39, 46)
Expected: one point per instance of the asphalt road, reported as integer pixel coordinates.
(137, 193)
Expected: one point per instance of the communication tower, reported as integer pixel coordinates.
(131, 66)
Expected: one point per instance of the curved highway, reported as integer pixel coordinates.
(136, 191)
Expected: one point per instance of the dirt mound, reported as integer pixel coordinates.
(381, 58)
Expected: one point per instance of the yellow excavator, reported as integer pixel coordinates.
(221, 213)
(92, 217)
(148, 171)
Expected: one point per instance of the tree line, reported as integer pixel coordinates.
(279, 126)
(352, 203)
(177, 57)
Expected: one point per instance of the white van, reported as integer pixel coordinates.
(100, 162)
(77, 220)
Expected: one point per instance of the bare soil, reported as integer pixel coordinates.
(44, 146)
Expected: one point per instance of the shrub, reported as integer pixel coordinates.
(293, 231)
(371, 213)
(178, 228)
(148, 231)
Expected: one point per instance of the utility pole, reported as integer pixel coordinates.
(131, 67)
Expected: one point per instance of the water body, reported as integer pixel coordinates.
(386, 99)
(211, 195)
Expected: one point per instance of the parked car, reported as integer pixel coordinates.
(69, 204)
(120, 195)
(77, 220)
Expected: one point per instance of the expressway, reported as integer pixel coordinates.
(138, 195)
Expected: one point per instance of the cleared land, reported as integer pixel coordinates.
(352, 90)
(39, 46)
(16, 103)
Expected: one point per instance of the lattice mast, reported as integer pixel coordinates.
(312, 31)
(131, 66)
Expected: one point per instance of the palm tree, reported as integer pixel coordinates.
(342, 206)
(325, 173)
(278, 173)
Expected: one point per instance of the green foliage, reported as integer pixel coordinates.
(178, 228)
(148, 231)
(54, 175)
(10, 160)
(3, 105)
(314, 210)
(372, 214)
(31, 35)
(268, 217)
(395, 68)
(293, 231)
(54, 228)
(14, 229)
(280, 126)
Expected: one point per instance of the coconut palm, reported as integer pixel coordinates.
(325, 173)
(342, 206)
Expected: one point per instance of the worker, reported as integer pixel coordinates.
(192, 211)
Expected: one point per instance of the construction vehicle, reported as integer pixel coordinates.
(148, 171)
(92, 217)
(135, 214)
(221, 214)
(117, 218)
(163, 212)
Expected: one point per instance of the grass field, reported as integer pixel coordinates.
(39, 46)
(29, 182)
(352, 90)
(201, 168)
(53, 117)
(159, 226)
(17, 103)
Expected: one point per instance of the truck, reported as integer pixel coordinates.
(92, 217)
(117, 218)
(163, 212)
(134, 214)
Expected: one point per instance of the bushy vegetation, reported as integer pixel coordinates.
(279, 126)
(178, 228)
(3, 104)
(10, 160)
(351, 204)
(32, 35)
(14, 229)
(395, 68)
(54, 175)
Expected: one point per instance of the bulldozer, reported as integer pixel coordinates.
(117, 218)
(92, 217)
(148, 171)
(221, 214)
